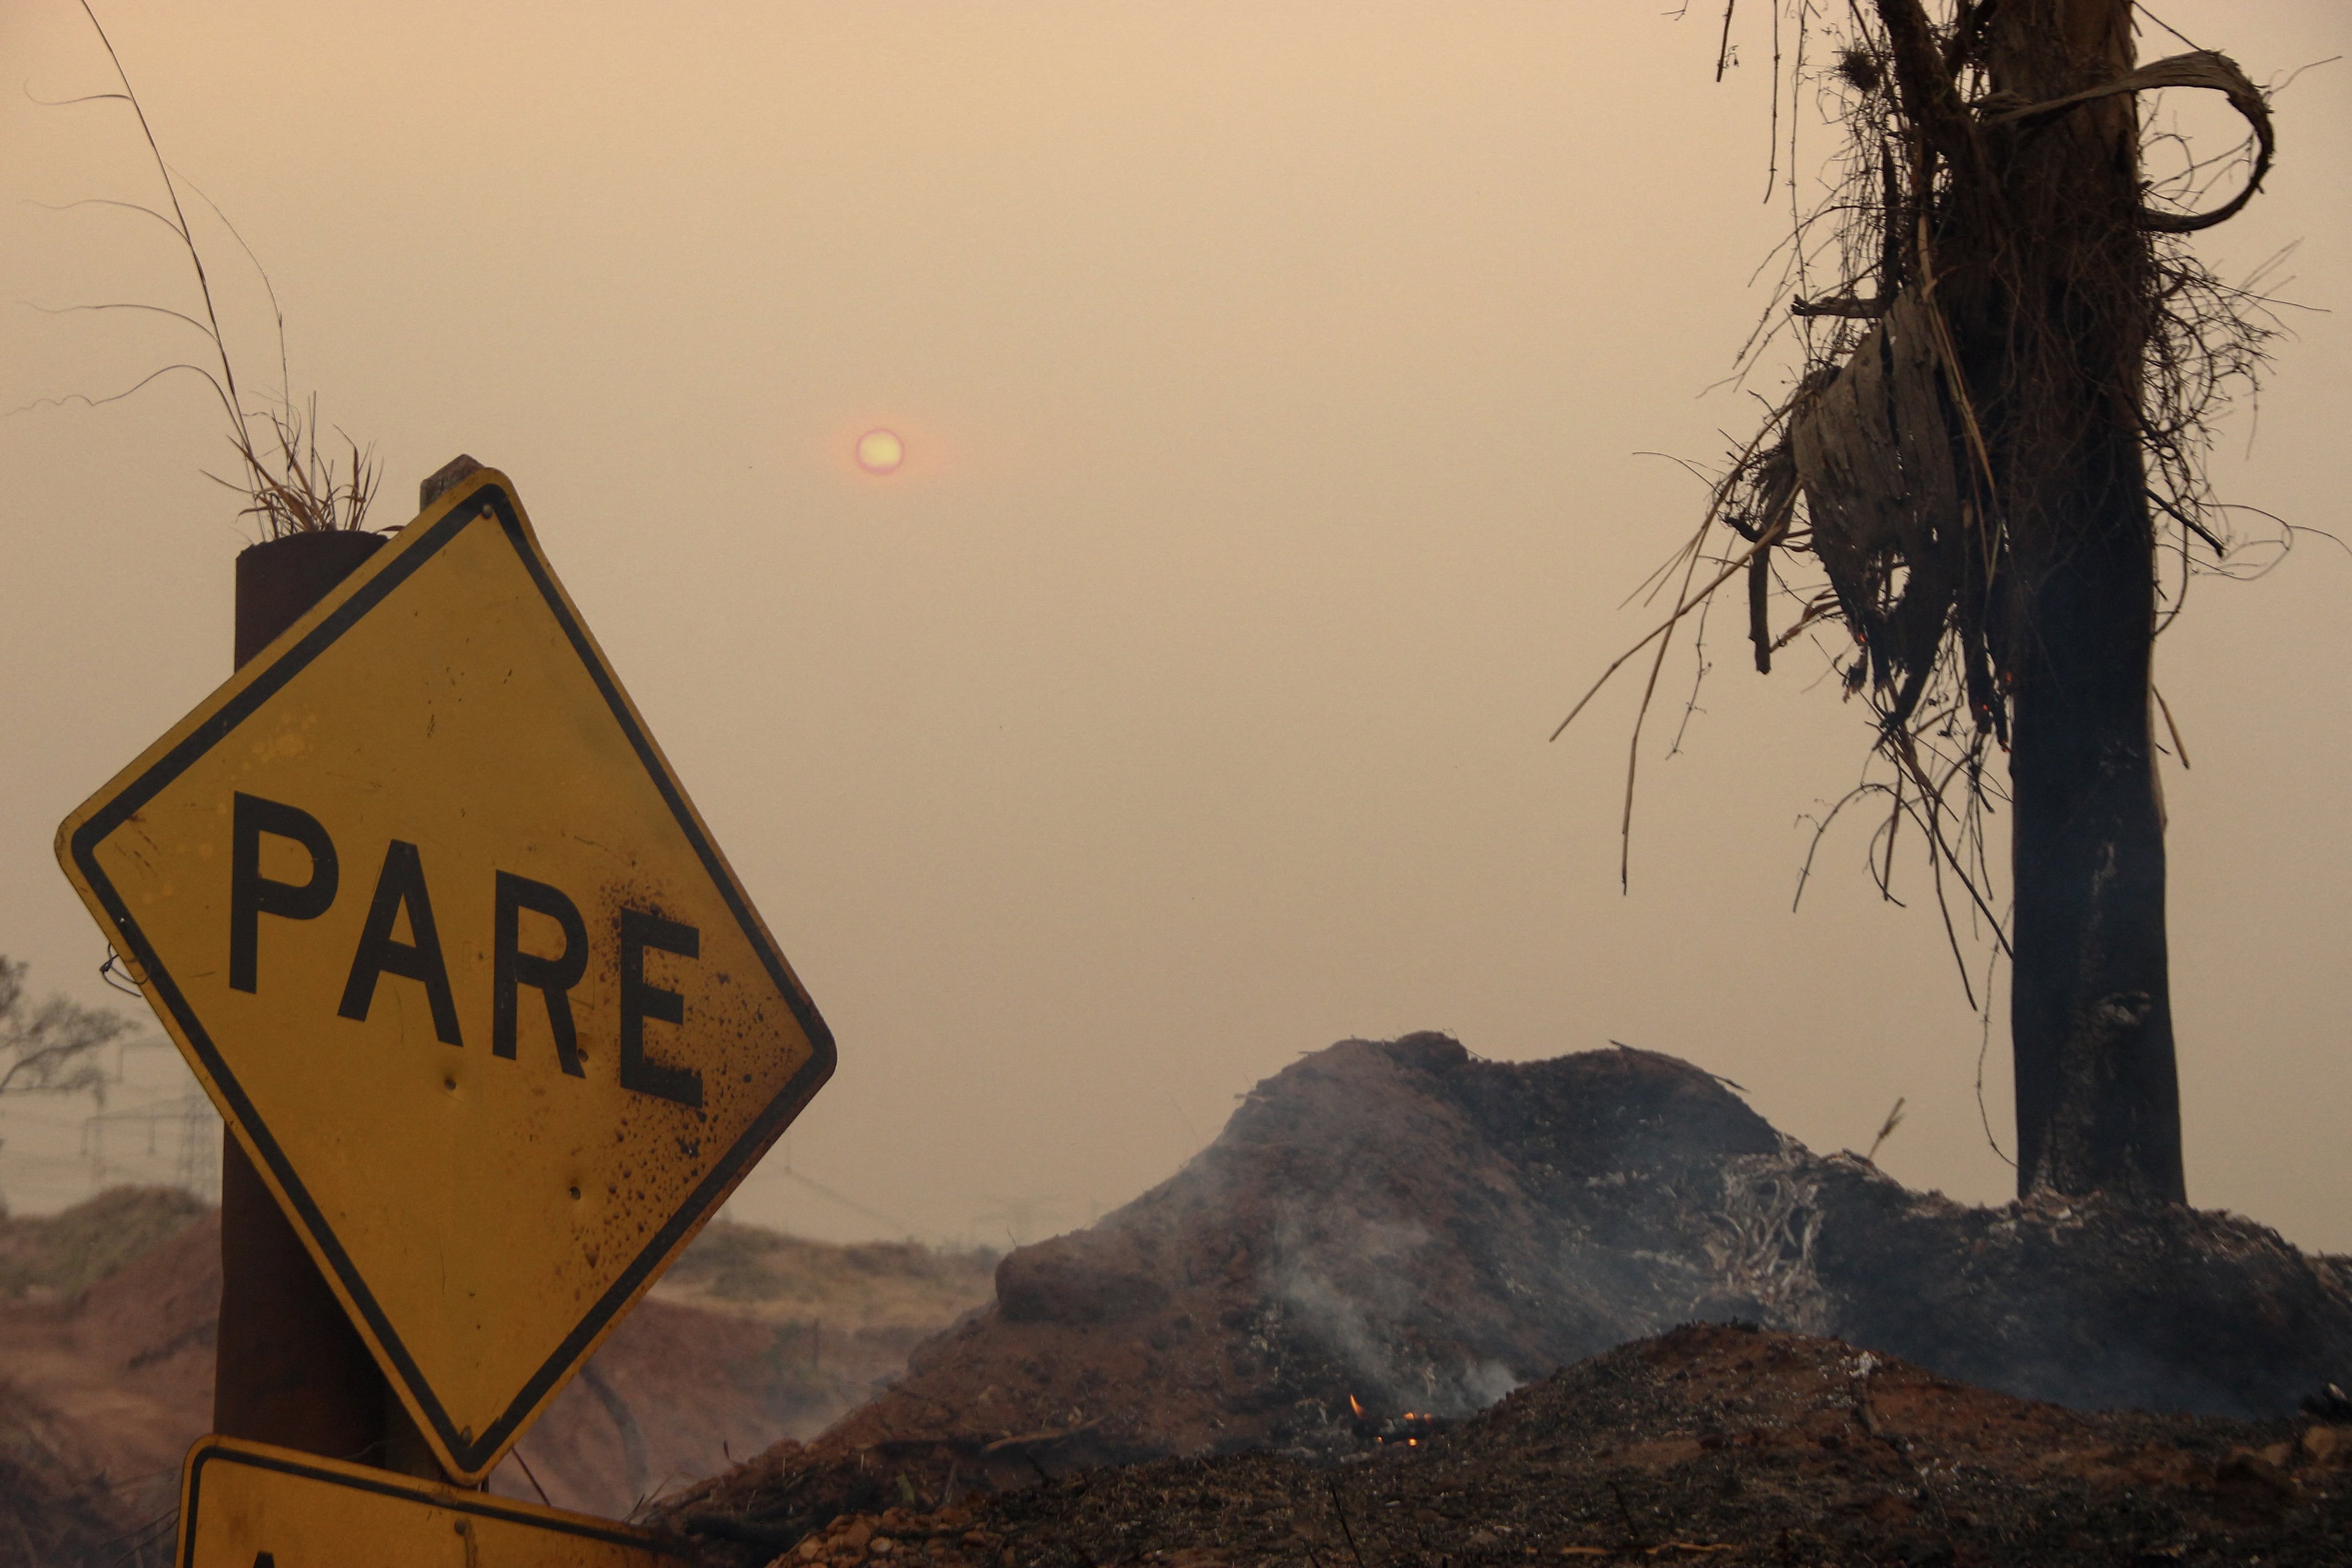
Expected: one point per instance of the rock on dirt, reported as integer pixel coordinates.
(1394, 1228)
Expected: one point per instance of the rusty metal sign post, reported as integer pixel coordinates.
(247, 1504)
(437, 928)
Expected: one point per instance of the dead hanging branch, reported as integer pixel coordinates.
(1688, 557)
(1686, 601)
(1896, 490)
(2204, 68)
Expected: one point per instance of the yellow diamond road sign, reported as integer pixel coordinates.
(435, 923)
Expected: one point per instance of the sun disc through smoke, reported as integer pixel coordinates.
(880, 451)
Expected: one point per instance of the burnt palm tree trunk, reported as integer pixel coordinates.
(2059, 334)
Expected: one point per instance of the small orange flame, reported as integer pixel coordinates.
(1357, 1406)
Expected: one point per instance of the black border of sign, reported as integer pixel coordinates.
(491, 500)
(209, 1451)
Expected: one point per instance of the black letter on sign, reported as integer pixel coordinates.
(400, 883)
(252, 895)
(640, 1002)
(553, 978)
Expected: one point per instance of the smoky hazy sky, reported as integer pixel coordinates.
(1283, 389)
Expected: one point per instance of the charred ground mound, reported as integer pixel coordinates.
(1401, 1226)
(1708, 1443)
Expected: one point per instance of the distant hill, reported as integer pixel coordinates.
(62, 1254)
(108, 1312)
(862, 1286)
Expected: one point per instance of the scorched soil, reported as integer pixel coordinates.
(1712, 1443)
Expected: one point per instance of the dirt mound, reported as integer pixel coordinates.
(1405, 1227)
(752, 1336)
(125, 1370)
(675, 1394)
(1710, 1444)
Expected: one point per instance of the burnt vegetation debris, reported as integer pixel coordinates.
(1398, 1228)
(54, 1509)
(1708, 1443)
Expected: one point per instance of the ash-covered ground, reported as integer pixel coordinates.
(1400, 1227)
(1708, 1443)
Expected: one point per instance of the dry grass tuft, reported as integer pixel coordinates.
(291, 481)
